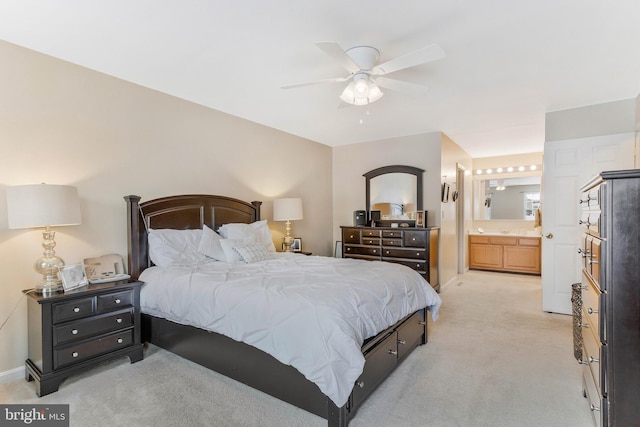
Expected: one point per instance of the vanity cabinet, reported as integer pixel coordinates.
(416, 248)
(516, 254)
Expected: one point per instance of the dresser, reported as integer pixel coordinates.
(610, 259)
(79, 329)
(414, 247)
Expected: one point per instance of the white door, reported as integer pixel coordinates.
(568, 165)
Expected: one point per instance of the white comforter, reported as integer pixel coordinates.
(310, 312)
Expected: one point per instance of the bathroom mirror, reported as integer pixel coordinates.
(395, 190)
(512, 198)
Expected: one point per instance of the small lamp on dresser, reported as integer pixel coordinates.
(43, 205)
(288, 209)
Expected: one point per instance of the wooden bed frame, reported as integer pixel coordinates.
(240, 361)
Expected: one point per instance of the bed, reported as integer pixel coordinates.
(248, 363)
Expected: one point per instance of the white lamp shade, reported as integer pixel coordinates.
(287, 209)
(40, 205)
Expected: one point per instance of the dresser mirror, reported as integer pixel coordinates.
(512, 198)
(395, 191)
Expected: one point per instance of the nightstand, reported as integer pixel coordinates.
(80, 329)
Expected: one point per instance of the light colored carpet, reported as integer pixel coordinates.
(493, 359)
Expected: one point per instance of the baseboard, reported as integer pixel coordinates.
(12, 375)
(454, 279)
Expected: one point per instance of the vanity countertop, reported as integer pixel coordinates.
(512, 233)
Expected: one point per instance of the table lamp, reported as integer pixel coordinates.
(43, 205)
(289, 209)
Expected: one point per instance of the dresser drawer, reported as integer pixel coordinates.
(115, 300)
(80, 329)
(396, 234)
(374, 241)
(75, 309)
(596, 402)
(351, 235)
(87, 349)
(416, 239)
(420, 266)
(370, 232)
(592, 357)
(592, 304)
(404, 253)
(392, 242)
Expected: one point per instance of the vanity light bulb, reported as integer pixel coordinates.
(509, 169)
(533, 167)
(521, 168)
(479, 171)
(499, 170)
(489, 171)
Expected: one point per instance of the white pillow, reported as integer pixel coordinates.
(231, 255)
(255, 232)
(175, 247)
(210, 244)
(252, 252)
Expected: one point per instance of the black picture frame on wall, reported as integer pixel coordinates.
(445, 192)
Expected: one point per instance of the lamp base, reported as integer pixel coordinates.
(287, 242)
(48, 265)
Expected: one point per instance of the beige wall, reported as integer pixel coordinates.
(63, 124)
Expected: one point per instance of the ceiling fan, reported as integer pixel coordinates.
(366, 74)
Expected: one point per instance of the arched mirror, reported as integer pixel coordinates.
(394, 190)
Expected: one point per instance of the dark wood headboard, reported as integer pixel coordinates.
(184, 212)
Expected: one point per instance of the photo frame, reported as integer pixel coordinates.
(445, 192)
(338, 252)
(297, 244)
(73, 276)
(420, 219)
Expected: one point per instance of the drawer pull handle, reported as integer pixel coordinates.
(388, 252)
(585, 201)
(593, 261)
(375, 251)
(582, 362)
(403, 342)
(118, 320)
(584, 287)
(583, 325)
(76, 309)
(360, 384)
(120, 340)
(351, 237)
(593, 360)
(394, 352)
(74, 332)
(117, 301)
(594, 408)
(75, 354)
(591, 310)
(413, 238)
(422, 322)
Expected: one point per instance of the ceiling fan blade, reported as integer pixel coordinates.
(334, 50)
(402, 86)
(315, 82)
(421, 56)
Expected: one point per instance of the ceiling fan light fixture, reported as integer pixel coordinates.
(361, 91)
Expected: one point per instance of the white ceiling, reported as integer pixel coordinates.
(507, 62)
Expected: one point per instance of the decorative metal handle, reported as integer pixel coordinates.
(117, 301)
(74, 332)
(583, 325)
(422, 322)
(582, 362)
(593, 261)
(594, 408)
(74, 354)
(120, 340)
(118, 320)
(394, 352)
(403, 342)
(593, 360)
(76, 309)
(591, 310)
(360, 384)
(549, 236)
(585, 201)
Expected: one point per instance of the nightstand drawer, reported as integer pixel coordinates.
(88, 349)
(75, 309)
(392, 233)
(370, 233)
(375, 241)
(73, 331)
(392, 242)
(115, 300)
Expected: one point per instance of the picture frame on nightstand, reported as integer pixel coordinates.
(73, 276)
(420, 220)
(297, 244)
